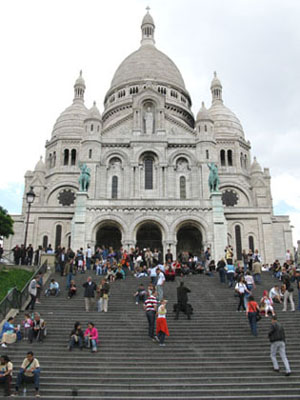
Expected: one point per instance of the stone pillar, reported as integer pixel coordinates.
(220, 226)
(78, 222)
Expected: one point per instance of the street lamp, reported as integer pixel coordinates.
(30, 196)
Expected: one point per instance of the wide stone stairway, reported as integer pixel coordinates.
(213, 356)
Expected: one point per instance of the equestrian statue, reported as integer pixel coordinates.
(84, 178)
(213, 179)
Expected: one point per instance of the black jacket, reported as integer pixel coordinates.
(182, 296)
(89, 289)
(276, 333)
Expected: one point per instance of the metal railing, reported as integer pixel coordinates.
(16, 298)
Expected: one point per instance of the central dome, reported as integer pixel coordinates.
(148, 63)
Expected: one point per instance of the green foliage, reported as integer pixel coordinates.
(12, 278)
(6, 223)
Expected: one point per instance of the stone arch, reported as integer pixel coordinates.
(181, 153)
(149, 218)
(227, 185)
(101, 220)
(108, 232)
(149, 233)
(109, 154)
(148, 149)
(190, 236)
(61, 185)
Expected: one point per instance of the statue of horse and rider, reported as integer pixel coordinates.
(213, 179)
(84, 178)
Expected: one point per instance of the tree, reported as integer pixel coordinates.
(6, 224)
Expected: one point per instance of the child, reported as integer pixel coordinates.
(266, 304)
(27, 324)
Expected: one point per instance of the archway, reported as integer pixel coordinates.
(189, 238)
(149, 235)
(109, 235)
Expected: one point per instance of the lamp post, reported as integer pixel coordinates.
(30, 196)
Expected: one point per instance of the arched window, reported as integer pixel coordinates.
(90, 153)
(66, 157)
(114, 187)
(45, 242)
(50, 160)
(242, 160)
(251, 243)
(58, 236)
(69, 241)
(148, 164)
(229, 157)
(207, 154)
(238, 242)
(245, 160)
(92, 127)
(222, 156)
(205, 128)
(73, 157)
(54, 159)
(182, 185)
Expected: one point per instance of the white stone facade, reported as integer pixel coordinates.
(148, 158)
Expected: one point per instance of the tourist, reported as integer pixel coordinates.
(230, 272)
(27, 324)
(76, 337)
(250, 286)
(266, 304)
(49, 250)
(110, 275)
(70, 271)
(169, 273)
(29, 255)
(153, 274)
(298, 286)
(53, 289)
(221, 270)
(241, 289)
(256, 270)
(38, 329)
(103, 295)
(182, 301)
(29, 373)
(150, 307)
(6, 370)
(17, 254)
(160, 283)
(98, 267)
(245, 257)
(89, 293)
(287, 296)
(161, 323)
(80, 261)
(39, 288)
(277, 338)
(148, 257)
(120, 274)
(275, 294)
(32, 290)
(251, 312)
(229, 254)
(91, 337)
(9, 332)
(140, 294)
(62, 260)
(72, 289)
(169, 257)
(88, 257)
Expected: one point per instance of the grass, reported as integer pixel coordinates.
(12, 278)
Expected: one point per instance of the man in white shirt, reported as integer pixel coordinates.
(160, 282)
(32, 290)
(88, 257)
(274, 294)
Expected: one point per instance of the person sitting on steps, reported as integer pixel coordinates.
(76, 336)
(38, 329)
(29, 373)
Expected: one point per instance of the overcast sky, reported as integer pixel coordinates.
(254, 45)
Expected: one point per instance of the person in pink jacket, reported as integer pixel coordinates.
(91, 337)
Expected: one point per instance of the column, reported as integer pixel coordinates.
(219, 226)
(79, 221)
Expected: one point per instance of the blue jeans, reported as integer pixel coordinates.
(69, 278)
(230, 276)
(88, 263)
(90, 342)
(222, 275)
(298, 299)
(21, 378)
(151, 323)
(257, 278)
(73, 342)
(252, 322)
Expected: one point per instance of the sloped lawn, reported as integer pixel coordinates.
(11, 278)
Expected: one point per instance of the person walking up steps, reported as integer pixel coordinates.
(161, 323)
(277, 338)
(150, 306)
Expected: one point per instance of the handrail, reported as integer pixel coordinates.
(16, 298)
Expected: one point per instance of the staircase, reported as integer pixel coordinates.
(213, 356)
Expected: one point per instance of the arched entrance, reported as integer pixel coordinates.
(189, 238)
(149, 235)
(109, 235)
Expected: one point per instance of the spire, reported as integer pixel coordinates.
(79, 88)
(216, 89)
(148, 29)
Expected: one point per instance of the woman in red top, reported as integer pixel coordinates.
(161, 323)
(252, 310)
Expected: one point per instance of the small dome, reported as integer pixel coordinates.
(80, 81)
(70, 121)
(255, 167)
(203, 113)
(93, 113)
(40, 166)
(28, 174)
(225, 121)
(148, 19)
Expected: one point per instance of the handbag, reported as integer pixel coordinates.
(258, 316)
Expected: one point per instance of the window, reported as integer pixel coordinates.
(251, 243)
(45, 242)
(205, 128)
(182, 184)
(229, 157)
(69, 241)
(207, 154)
(66, 157)
(54, 159)
(73, 157)
(92, 127)
(238, 242)
(90, 153)
(222, 156)
(98, 128)
(245, 161)
(148, 163)
(58, 236)
(114, 187)
(242, 160)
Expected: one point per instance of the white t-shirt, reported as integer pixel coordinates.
(161, 279)
(274, 293)
(89, 253)
(240, 287)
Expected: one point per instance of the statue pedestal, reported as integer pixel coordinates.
(220, 226)
(78, 222)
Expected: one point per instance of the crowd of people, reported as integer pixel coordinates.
(112, 266)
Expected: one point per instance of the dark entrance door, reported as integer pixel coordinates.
(149, 235)
(189, 239)
(109, 235)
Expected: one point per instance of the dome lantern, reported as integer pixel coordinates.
(216, 89)
(148, 29)
(79, 88)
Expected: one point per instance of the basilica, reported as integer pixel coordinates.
(149, 161)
